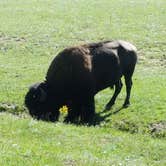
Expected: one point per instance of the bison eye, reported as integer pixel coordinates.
(34, 96)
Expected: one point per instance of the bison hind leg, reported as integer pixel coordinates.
(118, 87)
(128, 82)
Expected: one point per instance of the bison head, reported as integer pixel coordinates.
(39, 103)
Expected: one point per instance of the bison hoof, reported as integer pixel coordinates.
(108, 107)
(125, 105)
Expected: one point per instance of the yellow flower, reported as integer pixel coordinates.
(63, 109)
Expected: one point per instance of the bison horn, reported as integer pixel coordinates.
(43, 95)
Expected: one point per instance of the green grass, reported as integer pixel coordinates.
(28, 142)
(33, 32)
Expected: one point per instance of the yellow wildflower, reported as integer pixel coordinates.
(63, 109)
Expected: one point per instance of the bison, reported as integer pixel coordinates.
(78, 73)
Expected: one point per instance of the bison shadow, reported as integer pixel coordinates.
(105, 114)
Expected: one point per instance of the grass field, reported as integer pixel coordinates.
(33, 32)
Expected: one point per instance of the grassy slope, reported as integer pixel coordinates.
(31, 34)
(28, 142)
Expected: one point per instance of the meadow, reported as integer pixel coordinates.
(33, 32)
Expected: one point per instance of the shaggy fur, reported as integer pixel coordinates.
(76, 74)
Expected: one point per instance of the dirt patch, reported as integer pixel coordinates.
(158, 129)
(128, 126)
(12, 108)
(5, 38)
(70, 162)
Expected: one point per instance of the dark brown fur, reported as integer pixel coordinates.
(76, 74)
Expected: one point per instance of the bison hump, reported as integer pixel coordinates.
(68, 64)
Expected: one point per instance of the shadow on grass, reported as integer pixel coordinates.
(102, 116)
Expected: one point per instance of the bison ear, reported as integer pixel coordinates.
(38, 92)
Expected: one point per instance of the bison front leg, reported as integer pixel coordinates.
(87, 111)
(118, 87)
(82, 109)
(73, 113)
